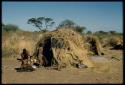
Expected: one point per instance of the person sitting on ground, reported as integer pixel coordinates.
(25, 58)
(41, 57)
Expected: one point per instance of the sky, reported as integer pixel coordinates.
(95, 16)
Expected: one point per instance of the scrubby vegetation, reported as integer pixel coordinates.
(71, 24)
(14, 39)
(10, 27)
(110, 39)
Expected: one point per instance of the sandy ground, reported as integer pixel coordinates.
(110, 71)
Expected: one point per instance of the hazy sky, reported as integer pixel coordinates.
(94, 16)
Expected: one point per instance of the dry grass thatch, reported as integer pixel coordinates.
(93, 45)
(65, 46)
(116, 42)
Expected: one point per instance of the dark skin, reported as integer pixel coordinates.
(42, 59)
(24, 56)
(40, 50)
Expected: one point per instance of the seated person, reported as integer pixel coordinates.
(25, 58)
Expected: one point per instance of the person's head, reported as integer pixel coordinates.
(24, 50)
(40, 45)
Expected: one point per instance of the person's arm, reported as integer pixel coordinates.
(35, 54)
(22, 56)
(28, 55)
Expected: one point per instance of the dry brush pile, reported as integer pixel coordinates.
(115, 42)
(66, 47)
(93, 45)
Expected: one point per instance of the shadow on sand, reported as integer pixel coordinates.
(27, 69)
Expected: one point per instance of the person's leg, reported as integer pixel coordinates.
(44, 61)
(59, 67)
(40, 60)
(22, 64)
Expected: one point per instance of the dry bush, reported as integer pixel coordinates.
(116, 42)
(93, 45)
(14, 42)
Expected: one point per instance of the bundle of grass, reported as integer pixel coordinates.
(64, 47)
(115, 42)
(93, 45)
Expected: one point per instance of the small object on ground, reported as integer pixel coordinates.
(33, 66)
(19, 59)
(25, 69)
(29, 68)
(36, 64)
(81, 66)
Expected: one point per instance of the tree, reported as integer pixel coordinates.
(80, 29)
(66, 24)
(49, 22)
(41, 22)
(71, 24)
(89, 32)
(36, 22)
(10, 27)
(100, 32)
(112, 32)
